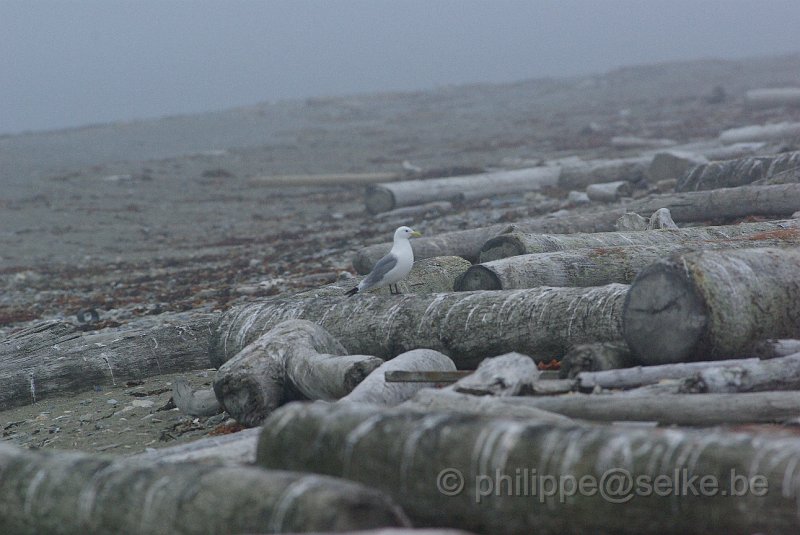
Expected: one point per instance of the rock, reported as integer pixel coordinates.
(145, 403)
(661, 218)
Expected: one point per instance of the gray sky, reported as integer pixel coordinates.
(70, 62)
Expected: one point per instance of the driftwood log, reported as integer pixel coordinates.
(512, 374)
(596, 357)
(767, 132)
(232, 449)
(296, 359)
(671, 164)
(713, 304)
(52, 358)
(522, 243)
(438, 465)
(66, 493)
(374, 389)
(467, 326)
(429, 275)
(445, 400)
(608, 191)
(388, 196)
(598, 265)
(770, 349)
(731, 173)
(580, 175)
(194, 402)
(722, 204)
(772, 96)
(339, 179)
(781, 373)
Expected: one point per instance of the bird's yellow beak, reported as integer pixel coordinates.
(416, 234)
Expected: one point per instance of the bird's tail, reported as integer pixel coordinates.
(351, 292)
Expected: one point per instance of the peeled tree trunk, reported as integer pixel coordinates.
(66, 493)
(720, 204)
(713, 304)
(467, 326)
(522, 243)
(388, 196)
(488, 474)
(598, 265)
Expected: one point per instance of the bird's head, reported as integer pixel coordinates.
(404, 233)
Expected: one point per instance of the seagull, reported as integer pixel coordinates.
(393, 267)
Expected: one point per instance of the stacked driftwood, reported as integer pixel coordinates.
(655, 315)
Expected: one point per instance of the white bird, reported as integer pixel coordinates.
(393, 267)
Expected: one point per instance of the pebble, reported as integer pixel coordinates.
(112, 401)
(146, 403)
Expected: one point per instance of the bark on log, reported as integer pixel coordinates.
(782, 373)
(608, 191)
(772, 97)
(522, 243)
(635, 377)
(594, 358)
(78, 493)
(410, 192)
(595, 266)
(374, 389)
(233, 449)
(713, 304)
(406, 454)
(431, 400)
(467, 326)
(51, 358)
(722, 204)
(767, 132)
(732, 173)
(339, 179)
(429, 275)
(295, 359)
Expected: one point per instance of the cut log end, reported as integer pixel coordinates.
(378, 199)
(501, 247)
(478, 278)
(664, 317)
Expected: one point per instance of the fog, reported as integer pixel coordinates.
(71, 63)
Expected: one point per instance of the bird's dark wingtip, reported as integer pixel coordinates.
(351, 292)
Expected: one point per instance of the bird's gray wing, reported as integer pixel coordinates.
(384, 266)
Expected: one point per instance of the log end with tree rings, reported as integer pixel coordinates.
(378, 199)
(664, 318)
(478, 278)
(502, 247)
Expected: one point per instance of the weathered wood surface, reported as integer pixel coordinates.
(767, 132)
(51, 358)
(375, 389)
(522, 243)
(512, 374)
(406, 453)
(232, 449)
(596, 357)
(66, 493)
(338, 179)
(608, 191)
(194, 402)
(597, 266)
(295, 359)
(637, 376)
(449, 401)
(403, 376)
(781, 373)
(670, 164)
(385, 197)
(429, 275)
(770, 349)
(713, 304)
(732, 173)
(467, 326)
(582, 174)
(721, 204)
